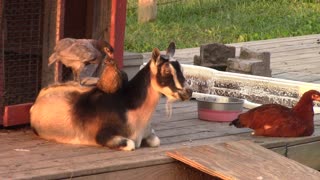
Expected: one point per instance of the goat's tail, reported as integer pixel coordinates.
(53, 58)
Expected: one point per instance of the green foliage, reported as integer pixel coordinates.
(191, 23)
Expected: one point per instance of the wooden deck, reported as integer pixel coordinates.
(294, 58)
(23, 155)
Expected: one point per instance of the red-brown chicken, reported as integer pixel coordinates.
(77, 53)
(279, 121)
(112, 78)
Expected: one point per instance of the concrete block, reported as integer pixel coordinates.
(215, 54)
(250, 62)
(246, 53)
(196, 60)
(242, 65)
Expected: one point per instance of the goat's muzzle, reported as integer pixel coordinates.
(185, 94)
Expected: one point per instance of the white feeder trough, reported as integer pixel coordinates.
(254, 90)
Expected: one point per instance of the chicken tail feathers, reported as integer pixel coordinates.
(52, 59)
(236, 123)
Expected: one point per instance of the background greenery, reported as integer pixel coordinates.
(191, 23)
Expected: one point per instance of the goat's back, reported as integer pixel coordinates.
(52, 115)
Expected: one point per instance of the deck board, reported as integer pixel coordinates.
(304, 50)
(242, 160)
(23, 155)
(48, 159)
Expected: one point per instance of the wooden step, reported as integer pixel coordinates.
(243, 160)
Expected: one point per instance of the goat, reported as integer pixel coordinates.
(75, 114)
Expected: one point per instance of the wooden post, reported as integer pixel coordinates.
(147, 10)
(59, 35)
(100, 20)
(117, 28)
(2, 43)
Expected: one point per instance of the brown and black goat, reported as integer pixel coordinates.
(70, 113)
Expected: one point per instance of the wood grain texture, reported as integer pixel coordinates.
(308, 153)
(23, 155)
(242, 160)
(172, 171)
(303, 49)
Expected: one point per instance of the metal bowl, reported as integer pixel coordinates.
(218, 108)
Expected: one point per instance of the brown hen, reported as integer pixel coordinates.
(77, 53)
(279, 121)
(112, 78)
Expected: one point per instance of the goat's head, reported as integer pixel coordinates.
(167, 76)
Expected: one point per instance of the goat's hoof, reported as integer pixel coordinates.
(130, 146)
(153, 141)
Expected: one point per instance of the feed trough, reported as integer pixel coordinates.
(254, 90)
(218, 108)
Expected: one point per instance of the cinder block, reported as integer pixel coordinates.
(250, 62)
(214, 55)
(246, 53)
(196, 60)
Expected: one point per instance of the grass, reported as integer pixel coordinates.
(191, 23)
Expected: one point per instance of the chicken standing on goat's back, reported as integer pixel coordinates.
(77, 53)
(279, 121)
(111, 78)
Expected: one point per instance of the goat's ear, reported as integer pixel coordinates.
(155, 54)
(171, 49)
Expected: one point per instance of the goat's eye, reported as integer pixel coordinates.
(165, 70)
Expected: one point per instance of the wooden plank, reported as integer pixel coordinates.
(271, 142)
(281, 47)
(308, 154)
(294, 57)
(175, 117)
(294, 52)
(302, 68)
(170, 171)
(49, 36)
(279, 40)
(295, 61)
(42, 162)
(194, 132)
(92, 163)
(178, 124)
(242, 160)
(60, 15)
(16, 114)
(289, 54)
(193, 137)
